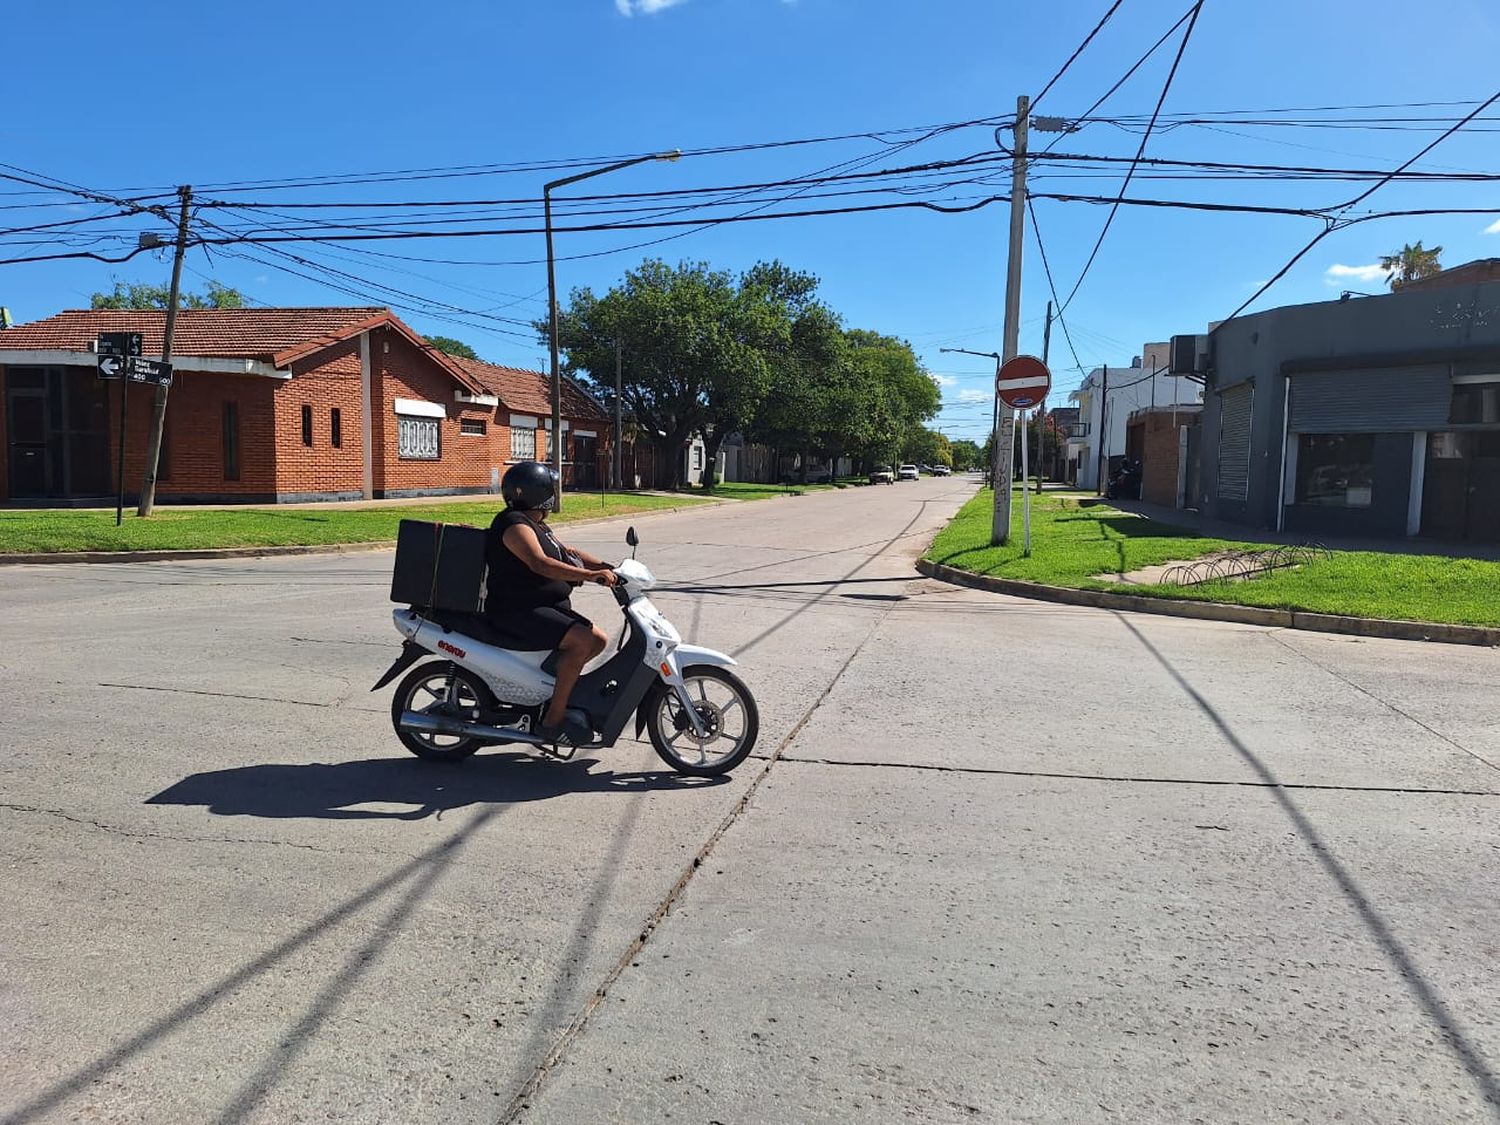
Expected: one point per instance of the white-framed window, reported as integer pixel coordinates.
(417, 439)
(522, 445)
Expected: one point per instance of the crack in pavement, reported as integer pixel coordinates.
(520, 1103)
(115, 830)
(990, 770)
(1275, 636)
(236, 695)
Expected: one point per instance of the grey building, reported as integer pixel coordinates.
(1374, 416)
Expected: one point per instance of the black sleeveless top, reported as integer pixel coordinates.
(511, 584)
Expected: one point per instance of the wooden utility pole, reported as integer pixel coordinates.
(159, 407)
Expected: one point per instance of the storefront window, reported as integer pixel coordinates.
(1475, 404)
(1335, 470)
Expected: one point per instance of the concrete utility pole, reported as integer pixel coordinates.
(619, 419)
(159, 407)
(1103, 423)
(1005, 443)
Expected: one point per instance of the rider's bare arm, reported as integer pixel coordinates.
(523, 543)
(591, 562)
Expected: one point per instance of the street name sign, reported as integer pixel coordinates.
(1023, 382)
(140, 370)
(118, 343)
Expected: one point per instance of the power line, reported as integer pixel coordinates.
(1135, 66)
(1047, 268)
(1330, 225)
(1187, 34)
(1087, 39)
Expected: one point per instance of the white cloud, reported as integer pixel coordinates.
(1337, 273)
(974, 395)
(645, 7)
(943, 380)
(1493, 228)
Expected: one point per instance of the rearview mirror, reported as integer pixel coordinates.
(631, 539)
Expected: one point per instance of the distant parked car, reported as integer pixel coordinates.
(816, 474)
(882, 474)
(907, 472)
(941, 470)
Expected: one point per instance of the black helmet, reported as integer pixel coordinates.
(528, 485)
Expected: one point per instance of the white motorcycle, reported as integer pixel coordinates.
(482, 691)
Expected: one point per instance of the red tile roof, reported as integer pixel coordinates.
(214, 333)
(275, 336)
(529, 392)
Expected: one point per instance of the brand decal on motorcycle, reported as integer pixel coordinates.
(454, 649)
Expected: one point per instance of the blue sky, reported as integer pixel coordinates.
(150, 95)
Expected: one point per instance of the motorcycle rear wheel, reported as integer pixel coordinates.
(439, 688)
(727, 709)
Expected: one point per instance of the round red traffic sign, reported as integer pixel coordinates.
(1023, 382)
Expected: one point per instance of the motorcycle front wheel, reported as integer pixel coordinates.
(443, 690)
(728, 713)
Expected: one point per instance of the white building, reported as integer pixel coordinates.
(1105, 401)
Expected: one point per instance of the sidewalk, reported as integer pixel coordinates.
(1190, 520)
(352, 505)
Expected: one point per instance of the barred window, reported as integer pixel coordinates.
(472, 426)
(417, 439)
(522, 445)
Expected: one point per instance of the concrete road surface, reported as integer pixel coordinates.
(1013, 862)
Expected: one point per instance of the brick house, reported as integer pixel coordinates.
(276, 405)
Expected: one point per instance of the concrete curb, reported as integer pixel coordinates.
(1218, 611)
(299, 549)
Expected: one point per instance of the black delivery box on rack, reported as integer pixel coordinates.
(439, 566)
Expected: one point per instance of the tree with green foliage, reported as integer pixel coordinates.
(449, 346)
(1410, 263)
(966, 455)
(695, 345)
(138, 295)
(895, 390)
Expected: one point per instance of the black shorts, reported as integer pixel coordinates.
(540, 629)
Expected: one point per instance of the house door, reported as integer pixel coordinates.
(30, 470)
(58, 432)
(585, 461)
(1461, 488)
(1482, 524)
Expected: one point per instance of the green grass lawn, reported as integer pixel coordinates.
(1072, 542)
(172, 528)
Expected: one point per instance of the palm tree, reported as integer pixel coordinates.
(1410, 263)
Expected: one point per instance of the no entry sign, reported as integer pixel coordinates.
(1023, 382)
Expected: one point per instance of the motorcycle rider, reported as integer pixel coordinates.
(531, 574)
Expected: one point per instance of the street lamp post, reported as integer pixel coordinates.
(995, 423)
(557, 437)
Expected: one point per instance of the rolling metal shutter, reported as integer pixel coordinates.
(1234, 442)
(1390, 400)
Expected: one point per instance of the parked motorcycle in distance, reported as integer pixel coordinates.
(701, 718)
(1125, 482)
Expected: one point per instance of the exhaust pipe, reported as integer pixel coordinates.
(432, 724)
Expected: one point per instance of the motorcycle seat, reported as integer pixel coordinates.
(481, 629)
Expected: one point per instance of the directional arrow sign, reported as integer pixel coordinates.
(111, 366)
(119, 343)
(1023, 382)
